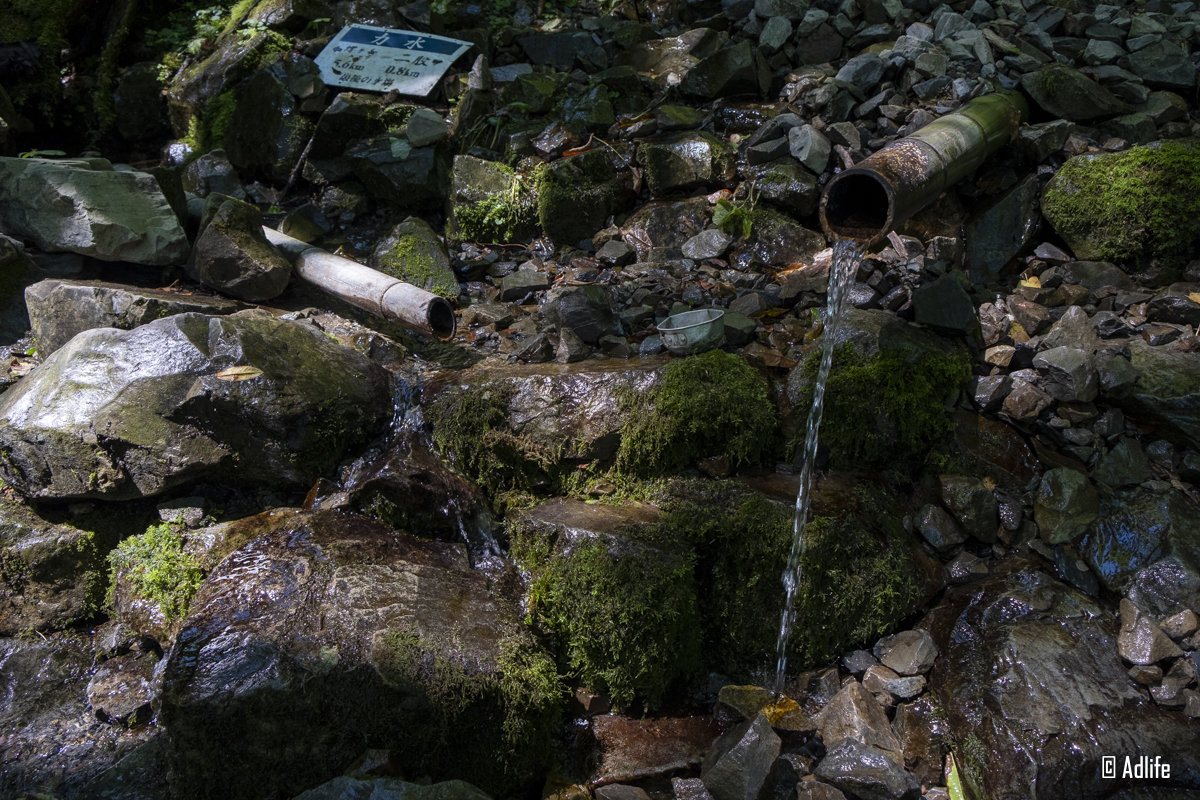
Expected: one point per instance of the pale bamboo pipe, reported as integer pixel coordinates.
(368, 289)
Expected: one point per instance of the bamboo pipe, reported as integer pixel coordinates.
(873, 197)
(368, 289)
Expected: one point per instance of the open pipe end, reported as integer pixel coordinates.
(441, 319)
(858, 204)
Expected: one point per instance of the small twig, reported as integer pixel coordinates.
(292, 178)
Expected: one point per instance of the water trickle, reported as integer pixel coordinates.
(846, 255)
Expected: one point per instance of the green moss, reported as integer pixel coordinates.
(501, 217)
(886, 410)
(158, 569)
(706, 405)
(410, 260)
(102, 96)
(217, 116)
(48, 23)
(576, 195)
(623, 608)
(509, 714)
(1135, 205)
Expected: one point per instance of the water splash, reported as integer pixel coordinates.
(846, 255)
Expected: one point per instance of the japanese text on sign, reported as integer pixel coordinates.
(371, 59)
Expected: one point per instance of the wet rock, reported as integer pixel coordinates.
(123, 688)
(616, 253)
(973, 505)
(863, 71)
(939, 528)
(266, 132)
(571, 348)
(854, 714)
(1073, 330)
(617, 791)
(212, 173)
(1170, 692)
(321, 617)
(907, 652)
(996, 234)
(663, 226)
(586, 310)
(402, 175)
(637, 749)
(1094, 274)
(352, 788)
(740, 69)
(1041, 141)
(415, 254)
(777, 241)
(232, 253)
(1067, 93)
(1163, 66)
(487, 203)
(560, 50)
(59, 309)
(1125, 465)
(349, 118)
(425, 127)
(577, 195)
(52, 740)
(785, 184)
(1026, 402)
(167, 419)
(1068, 374)
(1166, 393)
(740, 771)
(810, 147)
(21, 272)
(87, 208)
(990, 391)
(1146, 545)
(924, 736)
(866, 772)
(811, 790)
(1141, 640)
(945, 306)
(964, 568)
(711, 243)
(690, 788)
(1066, 504)
(684, 161)
(1175, 307)
(1035, 663)
(1181, 625)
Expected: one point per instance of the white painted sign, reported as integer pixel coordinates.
(371, 59)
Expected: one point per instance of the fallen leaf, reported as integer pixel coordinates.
(1033, 282)
(1194, 297)
(20, 367)
(245, 373)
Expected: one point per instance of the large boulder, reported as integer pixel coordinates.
(232, 253)
(577, 194)
(1035, 691)
(414, 253)
(682, 161)
(60, 309)
(1166, 393)
(121, 414)
(332, 634)
(86, 207)
(1068, 93)
(18, 271)
(490, 203)
(266, 133)
(1091, 201)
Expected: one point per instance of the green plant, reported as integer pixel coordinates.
(41, 154)
(158, 569)
(733, 219)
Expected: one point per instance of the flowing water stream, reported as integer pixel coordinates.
(846, 255)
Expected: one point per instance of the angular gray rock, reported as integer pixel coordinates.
(939, 528)
(740, 772)
(1141, 640)
(60, 309)
(232, 254)
(123, 688)
(945, 306)
(1125, 465)
(866, 772)
(854, 714)
(345, 787)
(124, 414)
(88, 208)
(1068, 374)
(1065, 505)
(810, 147)
(908, 652)
(973, 504)
(414, 253)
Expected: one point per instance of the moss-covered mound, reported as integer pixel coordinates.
(1130, 206)
(884, 410)
(157, 570)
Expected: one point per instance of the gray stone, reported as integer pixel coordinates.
(908, 652)
(907, 688)
(1164, 66)
(687, 160)
(857, 662)
(996, 234)
(785, 184)
(854, 714)
(973, 504)
(1073, 330)
(710, 243)
(266, 133)
(1068, 374)
(232, 253)
(875, 681)
(1169, 693)
(345, 787)
(949, 24)
(740, 69)
(945, 306)
(85, 207)
(866, 772)
(1181, 625)
(401, 175)
(739, 328)
(740, 772)
(148, 388)
(939, 528)
(1141, 641)
(515, 286)
(620, 791)
(425, 127)
(615, 252)
(991, 390)
(1100, 52)
(1065, 505)
(212, 173)
(1025, 402)
(1067, 93)
(1133, 128)
(788, 9)
(1125, 465)
(414, 253)
(122, 689)
(587, 310)
(1043, 140)
(1161, 387)
(777, 241)
(863, 71)
(775, 33)
(1094, 274)
(964, 568)
(571, 348)
(810, 147)
(60, 309)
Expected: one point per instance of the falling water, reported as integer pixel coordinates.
(846, 254)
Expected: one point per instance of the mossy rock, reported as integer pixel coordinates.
(260, 127)
(153, 581)
(1129, 207)
(490, 203)
(683, 161)
(621, 600)
(576, 195)
(414, 253)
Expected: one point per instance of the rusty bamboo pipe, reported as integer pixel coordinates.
(871, 198)
(366, 288)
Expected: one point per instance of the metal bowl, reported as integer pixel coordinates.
(693, 331)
